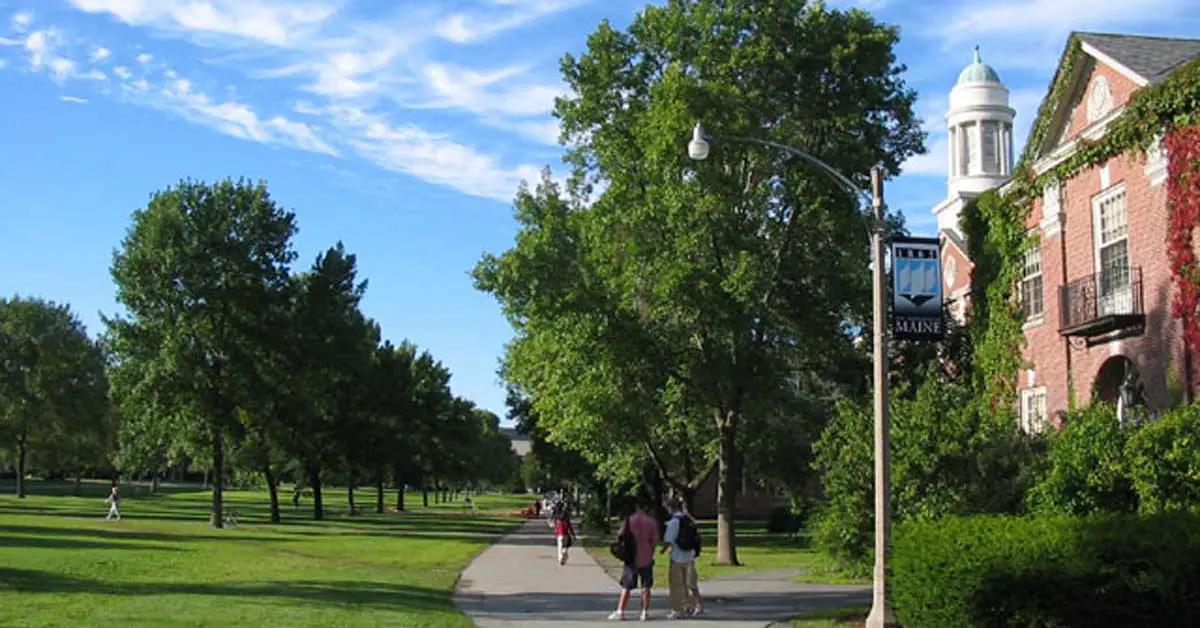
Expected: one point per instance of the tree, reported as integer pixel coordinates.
(54, 393)
(327, 354)
(732, 275)
(197, 273)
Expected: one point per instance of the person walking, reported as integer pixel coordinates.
(641, 531)
(113, 501)
(682, 541)
(564, 534)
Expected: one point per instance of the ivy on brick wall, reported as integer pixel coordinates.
(994, 223)
(1183, 199)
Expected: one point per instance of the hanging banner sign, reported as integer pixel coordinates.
(916, 289)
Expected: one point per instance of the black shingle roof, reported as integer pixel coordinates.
(1152, 58)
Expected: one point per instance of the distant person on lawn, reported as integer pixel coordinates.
(564, 533)
(683, 541)
(644, 532)
(114, 499)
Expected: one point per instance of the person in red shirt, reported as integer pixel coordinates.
(565, 534)
(646, 535)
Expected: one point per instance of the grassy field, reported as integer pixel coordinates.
(758, 550)
(61, 564)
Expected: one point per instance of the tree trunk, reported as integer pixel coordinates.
(218, 481)
(399, 489)
(22, 454)
(78, 482)
(205, 478)
(154, 482)
(379, 493)
(273, 489)
(425, 496)
(687, 493)
(314, 480)
(726, 489)
(350, 493)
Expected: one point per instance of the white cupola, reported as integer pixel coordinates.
(980, 131)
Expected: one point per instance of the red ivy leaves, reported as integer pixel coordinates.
(1183, 203)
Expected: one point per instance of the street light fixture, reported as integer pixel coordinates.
(881, 609)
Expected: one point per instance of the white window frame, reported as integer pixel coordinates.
(1119, 301)
(1033, 400)
(1026, 276)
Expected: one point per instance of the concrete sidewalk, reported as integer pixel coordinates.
(518, 582)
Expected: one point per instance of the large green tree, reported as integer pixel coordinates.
(722, 280)
(198, 273)
(54, 392)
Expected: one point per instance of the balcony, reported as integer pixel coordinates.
(1108, 302)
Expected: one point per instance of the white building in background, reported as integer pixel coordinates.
(980, 158)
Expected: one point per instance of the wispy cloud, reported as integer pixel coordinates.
(21, 21)
(273, 22)
(73, 99)
(379, 84)
(935, 161)
(1054, 18)
(100, 53)
(502, 16)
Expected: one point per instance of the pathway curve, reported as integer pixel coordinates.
(518, 582)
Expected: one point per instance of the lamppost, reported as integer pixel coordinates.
(881, 609)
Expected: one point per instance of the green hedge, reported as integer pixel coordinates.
(1107, 570)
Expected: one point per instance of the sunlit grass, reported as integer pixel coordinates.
(163, 565)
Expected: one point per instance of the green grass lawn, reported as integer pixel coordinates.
(758, 550)
(163, 565)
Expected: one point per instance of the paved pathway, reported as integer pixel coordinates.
(518, 582)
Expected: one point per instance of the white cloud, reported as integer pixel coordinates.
(433, 157)
(273, 22)
(472, 28)
(100, 53)
(3, 63)
(73, 99)
(42, 48)
(1026, 18)
(21, 21)
(365, 77)
(5, 41)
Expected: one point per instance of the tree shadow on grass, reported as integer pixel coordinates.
(375, 595)
(129, 535)
(50, 541)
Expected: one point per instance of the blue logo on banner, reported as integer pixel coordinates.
(917, 279)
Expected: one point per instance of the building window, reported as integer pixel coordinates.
(1033, 410)
(1115, 295)
(969, 143)
(991, 152)
(1031, 283)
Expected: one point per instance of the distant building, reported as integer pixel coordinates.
(520, 442)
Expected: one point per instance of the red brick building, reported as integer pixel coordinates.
(1096, 291)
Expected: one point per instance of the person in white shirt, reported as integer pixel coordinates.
(682, 576)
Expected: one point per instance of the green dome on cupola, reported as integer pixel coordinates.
(978, 72)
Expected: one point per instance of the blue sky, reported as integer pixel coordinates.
(400, 127)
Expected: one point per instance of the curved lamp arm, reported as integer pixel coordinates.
(698, 150)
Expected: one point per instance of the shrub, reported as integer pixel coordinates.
(1086, 469)
(1112, 570)
(947, 457)
(1163, 459)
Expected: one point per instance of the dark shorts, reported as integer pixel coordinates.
(630, 577)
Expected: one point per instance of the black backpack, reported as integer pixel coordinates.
(689, 535)
(624, 548)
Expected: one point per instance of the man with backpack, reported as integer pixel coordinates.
(682, 540)
(635, 545)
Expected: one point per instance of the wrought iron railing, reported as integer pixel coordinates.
(1103, 299)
